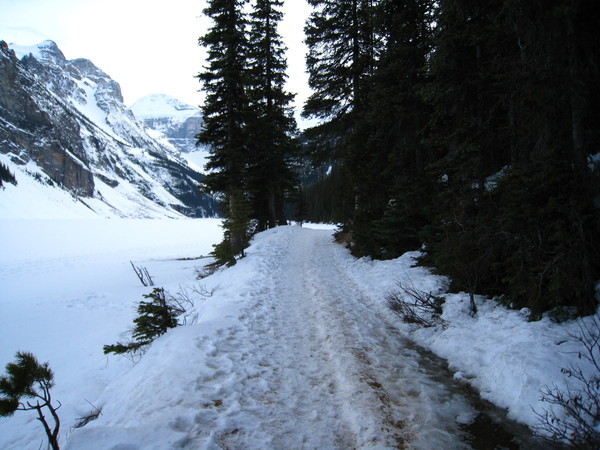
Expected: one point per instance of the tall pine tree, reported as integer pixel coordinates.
(514, 216)
(226, 116)
(271, 133)
(392, 175)
(342, 51)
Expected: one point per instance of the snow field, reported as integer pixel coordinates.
(67, 289)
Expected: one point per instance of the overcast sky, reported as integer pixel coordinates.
(147, 46)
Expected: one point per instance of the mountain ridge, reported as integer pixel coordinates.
(178, 121)
(67, 118)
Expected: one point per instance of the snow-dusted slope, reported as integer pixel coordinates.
(177, 121)
(63, 122)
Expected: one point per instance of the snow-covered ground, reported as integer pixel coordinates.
(296, 348)
(36, 197)
(67, 288)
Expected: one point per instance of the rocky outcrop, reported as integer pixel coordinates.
(45, 133)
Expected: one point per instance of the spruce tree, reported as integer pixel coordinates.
(548, 223)
(342, 52)
(226, 110)
(511, 135)
(392, 177)
(467, 136)
(272, 128)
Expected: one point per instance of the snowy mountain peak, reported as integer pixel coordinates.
(179, 122)
(155, 106)
(47, 52)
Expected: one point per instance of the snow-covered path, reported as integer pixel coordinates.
(341, 376)
(295, 355)
(309, 348)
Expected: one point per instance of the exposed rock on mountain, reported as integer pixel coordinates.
(177, 121)
(63, 122)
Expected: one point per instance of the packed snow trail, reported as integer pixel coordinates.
(330, 370)
(333, 358)
(294, 355)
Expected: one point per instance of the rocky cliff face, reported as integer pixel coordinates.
(43, 131)
(67, 118)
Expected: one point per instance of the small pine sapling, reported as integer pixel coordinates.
(28, 379)
(154, 319)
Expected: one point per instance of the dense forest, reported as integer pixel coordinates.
(469, 129)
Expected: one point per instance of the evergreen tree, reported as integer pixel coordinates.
(226, 109)
(154, 318)
(271, 130)
(28, 379)
(469, 126)
(515, 201)
(555, 112)
(237, 230)
(342, 52)
(391, 178)
(467, 137)
(6, 175)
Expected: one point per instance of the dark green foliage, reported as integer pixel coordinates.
(512, 112)
(248, 122)
(273, 148)
(549, 229)
(155, 317)
(390, 171)
(328, 198)
(227, 117)
(28, 379)
(226, 108)
(6, 175)
(24, 379)
(399, 228)
(340, 38)
(236, 232)
(468, 131)
(342, 49)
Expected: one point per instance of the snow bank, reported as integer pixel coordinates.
(68, 289)
(506, 358)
